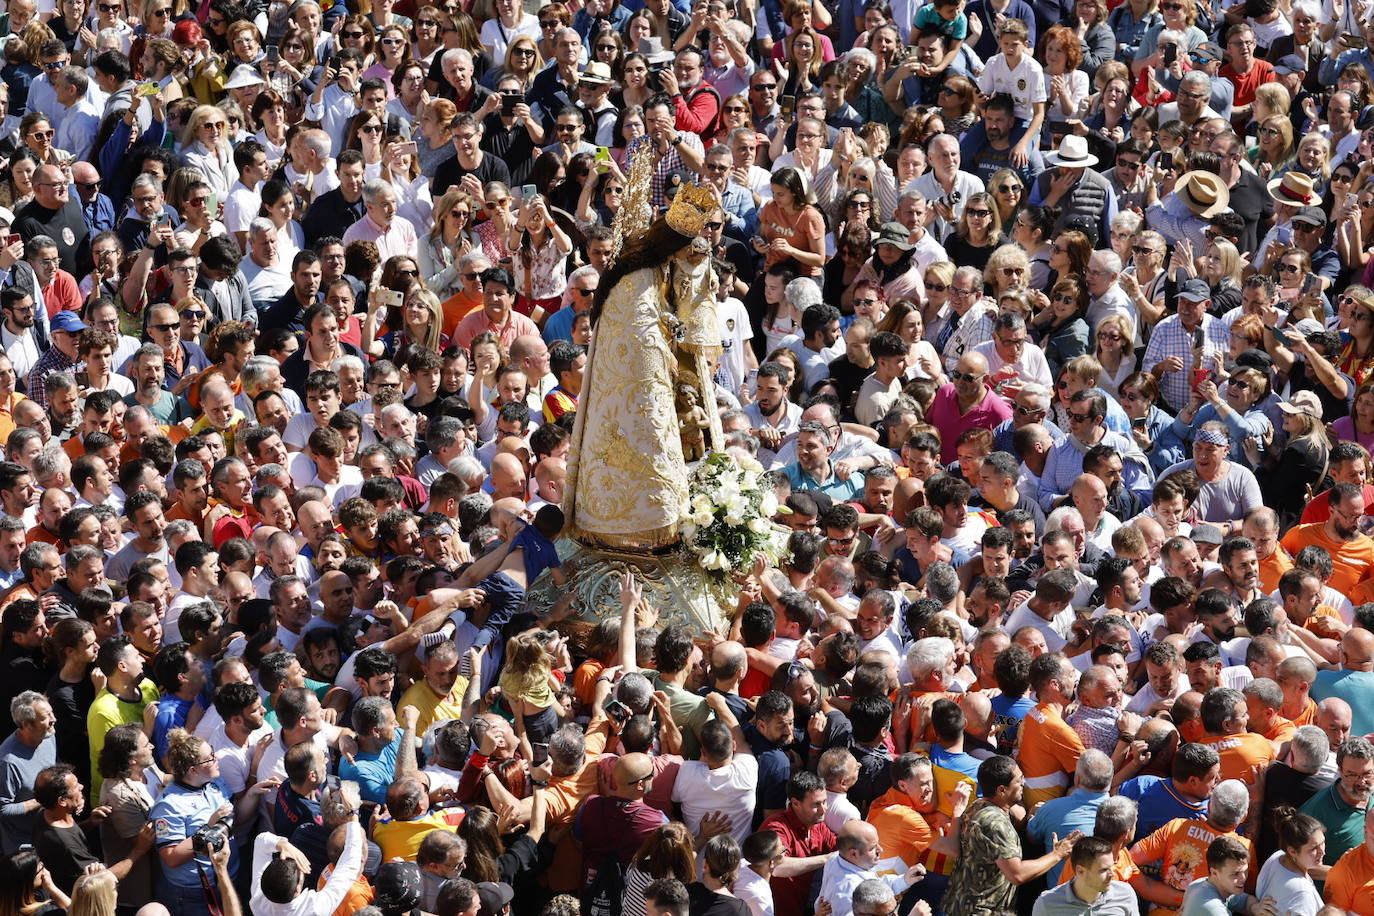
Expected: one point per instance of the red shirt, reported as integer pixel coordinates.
(790, 894)
(1246, 84)
(1319, 509)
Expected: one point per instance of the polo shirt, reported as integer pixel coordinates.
(401, 839)
(433, 707)
(1159, 802)
(689, 711)
(1344, 823)
(107, 711)
(791, 895)
(475, 323)
(838, 490)
(180, 812)
(1117, 900)
(730, 788)
(774, 769)
(1062, 816)
(945, 416)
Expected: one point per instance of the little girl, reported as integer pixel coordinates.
(529, 688)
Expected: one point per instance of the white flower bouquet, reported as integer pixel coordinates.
(727, 519)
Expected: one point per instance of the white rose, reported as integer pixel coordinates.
(768, 506)
(711, 559)
(704, 518)
(759, 524)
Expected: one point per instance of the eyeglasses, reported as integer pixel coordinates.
(393, 41)
(1024, 411)
(551, 24)
(937, 287)
(808, 136)
(427, 23)
(207, 761)
(353, 33)
(1080, 417)
(186, 269)
(42, 134)
(964, 376)
(956, 291)
(1012, 271)
(1014, 342)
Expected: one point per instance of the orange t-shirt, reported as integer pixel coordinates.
(1307, 716)
(804, 230)
(1239, 753)
(903, 830)
(1282, 730)
(1123, 869)
(1049, 752)
(1180, 847)
(584, 680)
(1272, 568)
(456, 308)
(1350, 883)
(1351, 562)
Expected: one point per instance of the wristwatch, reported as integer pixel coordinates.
(677, 139)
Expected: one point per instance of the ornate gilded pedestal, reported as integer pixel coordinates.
(673, 583)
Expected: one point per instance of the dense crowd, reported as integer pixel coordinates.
(1049, 323)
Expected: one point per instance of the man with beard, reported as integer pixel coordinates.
(1239, 573)
(1352, 553)
(20, 334)
(991, 152)
(1050, 748)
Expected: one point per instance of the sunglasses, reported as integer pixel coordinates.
(108, 7)
(54, 64)
(1287, 268)
(715, 226)
(392, 41)
(473, 275)
(964, 376)
(193, 314)
(165, 328)
(1109, 337)
(735, 109)
(1142, 249)
(978, 214)
(1009, 189)
(1130, 164)
(370, 128)
(42, 134)
(498, 202)
(614, 48)
(1028, 411)
(353, 33)
(551, 24)
(1080, 417)
(427, 23)
(937, 287)
(1239, 384)
(584, 292)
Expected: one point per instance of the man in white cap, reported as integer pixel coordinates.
(1072, 185)
(593, 91)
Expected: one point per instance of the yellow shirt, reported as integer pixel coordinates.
(434, 708)
(401, 839)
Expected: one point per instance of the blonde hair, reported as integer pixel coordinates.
(434, 327)
(942, 270)
(1085, 367)
(527, 664)
(1315, 138)
(1122, 326)
(199, 117)
(93, 895)
(1231, 263)
(1271, 99)
(183, 751)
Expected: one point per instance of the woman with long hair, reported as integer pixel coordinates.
(1069, 254)
(1151, 426)
(71, 647)
(67, 24)
(205, 147)
(422, 322)
(94, 894)
(905, 320)
(1062, 51)
(1357, 342)
(358, 33)
(1114, 348)
(510, 23)
(1358, 426)
(489, 857)
(853, 248)
(1221, 266)
(790, 226)
(520, 59)
(27, 887)
(408, 91)
(279, 205)
(1129, 22)
(1033, 229)
(608, 47)
(1114, 112)
(540, 249)
(1286, 876)
(16, 182)
(668, 852)
(1291, 477)
(1066, 335)
(956, 103)
(1274, 153)
(447, 241)
(1355, 224)
(495, 230)
(393, 50)
(428, 39)
(977, 233)
(937, 279)
(1009, 193)
(735, 111)
(125, 759)
(364, 133)
(803, 61)
(1313, 158)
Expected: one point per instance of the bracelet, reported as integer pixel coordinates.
(1125, 737)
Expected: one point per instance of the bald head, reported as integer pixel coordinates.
(1357, 650)
(632, 775)
(728, 661)
(84, 173)
(978, 718)
(507, 476)
(855, 841)
(1334, 718)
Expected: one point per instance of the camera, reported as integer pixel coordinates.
(210, 838)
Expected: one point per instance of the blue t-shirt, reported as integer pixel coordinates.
(775, 769)
(178, 814)
(171, 713)
(292, 810)
(963, 763)
(1008, 713)
(955, 29)
(373, 772)
(540, 554)
(1159, 802)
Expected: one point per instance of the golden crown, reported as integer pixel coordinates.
(691, 208)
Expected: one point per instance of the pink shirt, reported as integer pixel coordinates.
(399, 239)
(477, 321)
(944, 415)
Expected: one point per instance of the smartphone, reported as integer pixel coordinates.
(787, 104)
(1170, 54)
(1199, 339)
(1281, 337)
(1353, 41)
(602, 159)
(161, 220)
(1199, 376)
(509, 100)
(1059, 127)
(528, 191)
(1139, 422)
(1284, 235)
(407, 147)
(335, 63)
(147, 89)
(273, 55)
(212, 205)
(1166, 160)
(390, 297)
(1311, 285)
(11, 239)
(617, 710)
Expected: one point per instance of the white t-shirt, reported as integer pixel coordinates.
(749, 887)
(701, 790)
(839, 810)
(241, 208)
(1025, 84)
(1023, 616)
(1292, 892)
(234, 760)
(735, 334)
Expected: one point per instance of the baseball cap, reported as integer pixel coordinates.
(1290, 63)
(67, 321)
(1312, 216)
(1207, 51)
(398, 886)
(1206, 534)
(1194, 290)
(494, 895)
